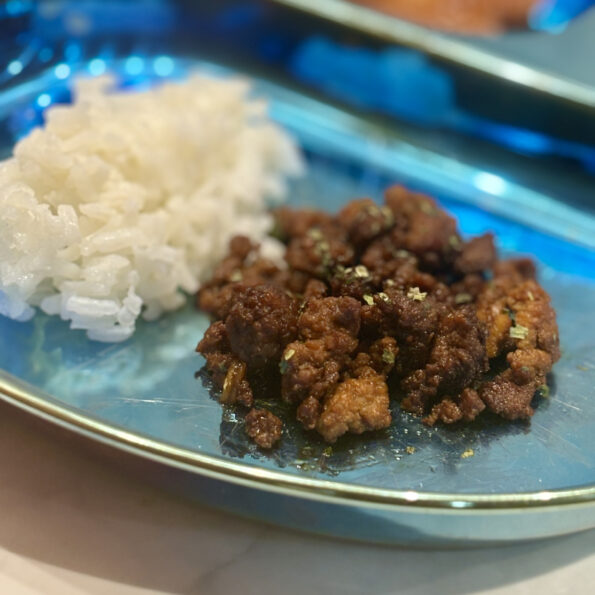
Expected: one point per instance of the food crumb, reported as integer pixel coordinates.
(543, 391)
(410, 450)
(263, 427)
(519, 332)
(468, 453)
(415, 294)
(463, 298)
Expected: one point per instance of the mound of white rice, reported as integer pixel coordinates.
(124, 201)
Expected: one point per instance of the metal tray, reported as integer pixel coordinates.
(524, 481)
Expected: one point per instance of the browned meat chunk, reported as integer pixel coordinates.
(522, 323)
(476, 255)
(364, 220)
(422, 228)
(379, 356)
(328, 330)
(355, 282)
(457, 360)
(308, 370)
(467, 289)
(215, 348)
(227, 371)
(467, 406)
(315, 289)
(235, 386)
(334, 319)
(318, 252)
(511, 392)
(308, 412)
(233, 275)
(383, 258)
(357, 405)
(264, 427)
(411, 321)
(262, 320)
(294, 223)
(518, 314)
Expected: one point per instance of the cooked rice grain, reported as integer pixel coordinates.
(126, 200)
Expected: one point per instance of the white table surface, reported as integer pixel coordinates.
(72, 523)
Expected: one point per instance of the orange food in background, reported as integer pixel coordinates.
(459, 16)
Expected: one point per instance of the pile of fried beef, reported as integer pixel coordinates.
(373, 303)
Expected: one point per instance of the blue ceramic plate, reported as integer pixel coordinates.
(407, 484)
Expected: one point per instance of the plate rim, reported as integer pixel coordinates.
(19, 393)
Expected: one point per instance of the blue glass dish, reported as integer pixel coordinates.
(419, 485)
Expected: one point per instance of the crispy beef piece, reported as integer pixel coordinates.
(217, 364)
(309, 370)
(214, 346)
(318, 251)
(293, 223)
(239, 249)
(422, 228)
(522, 324)
(240, 269)
(315, 289)
(308, 412)
(236, 388)
(371, 293)
(476, 255)
(377, 361)
(357, 405)
(457, 360)
(334, 319)
(262, 320)
(467, 406)
(214, 340)
(328, 329)
(227, 371)
(383, 259)
(412, 323)
(217, 300)
(409, 276)
(511, 300)
(294, 281)
(264, 427)
(466, 290)
(515, 268)
(355, 282)
(533, 311)
(364, 220)
(511, 392)
(379, 356)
